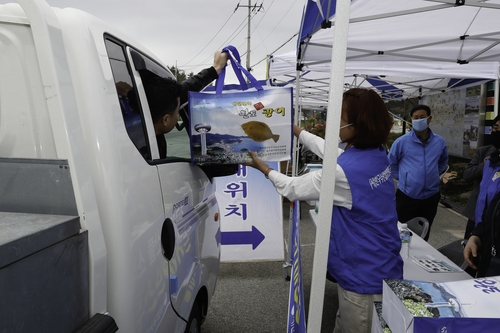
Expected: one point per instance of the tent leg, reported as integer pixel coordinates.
(287, 265)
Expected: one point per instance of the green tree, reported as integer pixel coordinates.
(402, 108)
(180, 74)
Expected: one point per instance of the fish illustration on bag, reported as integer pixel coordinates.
(259, 131)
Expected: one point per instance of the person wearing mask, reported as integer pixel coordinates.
(480, 251)
(417, 159)
(474, 172)
(364, 239)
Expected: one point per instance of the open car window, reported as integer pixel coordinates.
(177, 140)
(176, 143)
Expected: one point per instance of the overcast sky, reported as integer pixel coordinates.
(187, 32)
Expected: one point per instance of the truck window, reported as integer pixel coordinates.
(128, 97)
(177, 140)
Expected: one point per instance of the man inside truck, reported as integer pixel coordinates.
(165, 96)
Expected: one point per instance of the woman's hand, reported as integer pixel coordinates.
(471, 249)
(258, 164)
(296, 131)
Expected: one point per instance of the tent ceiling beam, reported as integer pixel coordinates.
(471, 3)
(397, 13)
(445, 4)
(372, 55)
(482, 51)
(491, 56)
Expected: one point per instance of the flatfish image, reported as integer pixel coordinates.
(259, 131)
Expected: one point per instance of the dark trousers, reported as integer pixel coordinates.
(408, 208)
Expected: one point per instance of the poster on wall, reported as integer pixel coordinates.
(471, 120)
(455, 116)
(251, 216)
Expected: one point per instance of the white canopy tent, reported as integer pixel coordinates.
(414, 41)
(393, 80)
(405, 48)
(453, 31)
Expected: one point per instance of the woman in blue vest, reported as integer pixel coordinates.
(364, 237)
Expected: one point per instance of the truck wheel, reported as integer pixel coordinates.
(194, 323)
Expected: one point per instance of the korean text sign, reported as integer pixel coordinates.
(251, 216)
(224, 127)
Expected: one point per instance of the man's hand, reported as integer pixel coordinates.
(220, 60)
(471, 249)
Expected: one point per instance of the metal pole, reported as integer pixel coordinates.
(248, 39)
(297, 113)
(338, 60)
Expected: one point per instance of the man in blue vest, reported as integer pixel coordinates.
(417, 159)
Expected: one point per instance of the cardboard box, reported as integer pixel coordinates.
(459, 306)
(224, 127)
(378, 323)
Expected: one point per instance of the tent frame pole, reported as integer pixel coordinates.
(339, 52)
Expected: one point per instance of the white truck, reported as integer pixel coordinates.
(97, 232)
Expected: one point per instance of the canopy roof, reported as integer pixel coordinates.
(414, 46)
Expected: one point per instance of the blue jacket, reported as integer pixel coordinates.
(417, 165)
(364, 241)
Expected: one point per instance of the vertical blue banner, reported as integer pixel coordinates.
(296, 309)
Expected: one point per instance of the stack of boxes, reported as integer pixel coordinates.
(410, 306)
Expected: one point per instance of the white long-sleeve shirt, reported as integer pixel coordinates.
(308, 186)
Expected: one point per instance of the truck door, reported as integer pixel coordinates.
(190, 234)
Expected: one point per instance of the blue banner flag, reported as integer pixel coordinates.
(296, 309)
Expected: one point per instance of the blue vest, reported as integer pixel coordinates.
(489, 187)
(364, 241)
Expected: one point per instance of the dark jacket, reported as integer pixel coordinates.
(487, 216)
(198, 82)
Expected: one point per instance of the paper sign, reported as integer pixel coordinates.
(225, 126)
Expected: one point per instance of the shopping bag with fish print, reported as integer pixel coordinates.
(226, 124)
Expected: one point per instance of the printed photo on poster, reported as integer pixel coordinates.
(224, 127)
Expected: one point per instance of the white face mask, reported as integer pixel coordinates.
(343, 144)
(419, 125)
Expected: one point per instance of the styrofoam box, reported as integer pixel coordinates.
(471, 305)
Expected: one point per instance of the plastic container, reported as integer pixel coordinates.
(405, 235)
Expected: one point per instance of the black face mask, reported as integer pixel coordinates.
(494, 158)
(495, 139)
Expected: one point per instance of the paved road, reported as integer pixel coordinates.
(253, 297)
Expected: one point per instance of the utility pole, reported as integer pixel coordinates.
(250, 8)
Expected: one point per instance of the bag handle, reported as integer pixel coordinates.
(239, 70)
